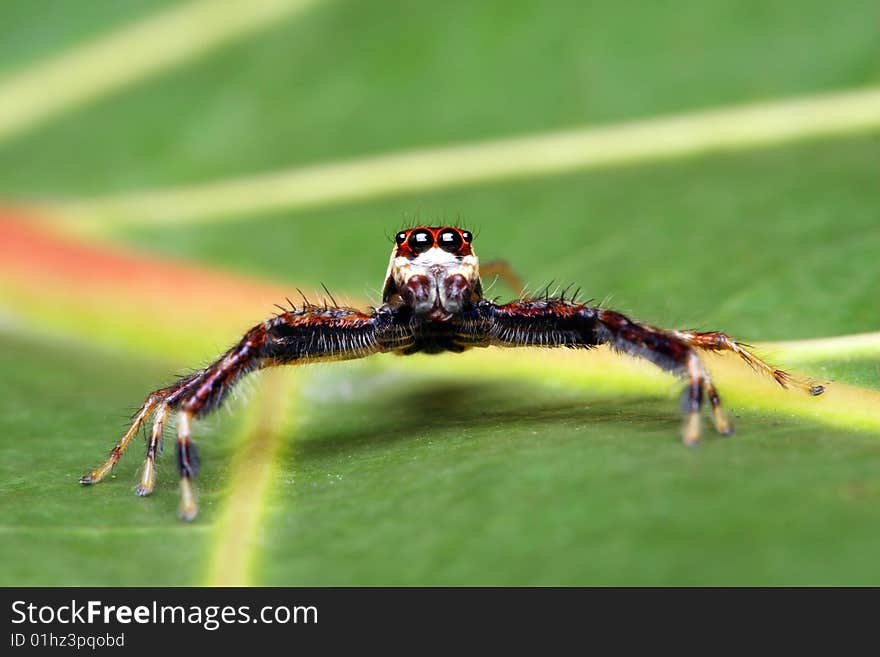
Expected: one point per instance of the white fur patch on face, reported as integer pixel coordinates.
(435, 263)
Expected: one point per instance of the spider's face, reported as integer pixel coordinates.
(434, 270)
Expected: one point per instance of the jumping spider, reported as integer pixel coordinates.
(432, 302)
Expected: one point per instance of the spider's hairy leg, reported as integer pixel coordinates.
(554, 322)
(722, 423)
(692, 402)
(148, 475)
(187, 464)
(700, 385)
(200, 386)
(199, 393)
(671, 351)
(715, 341)
(310, 333)
(149, 405)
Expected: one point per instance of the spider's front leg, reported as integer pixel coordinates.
(553, 322)
(311, 333)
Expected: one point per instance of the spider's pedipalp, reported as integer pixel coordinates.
(501, 269)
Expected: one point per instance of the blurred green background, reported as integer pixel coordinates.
(389, 475)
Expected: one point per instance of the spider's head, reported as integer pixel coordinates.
(434, 271)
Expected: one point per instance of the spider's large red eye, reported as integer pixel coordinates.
(449, 240)
(421, 240)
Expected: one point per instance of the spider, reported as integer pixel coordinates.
(432, 302)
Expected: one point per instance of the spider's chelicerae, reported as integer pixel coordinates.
(432, 302)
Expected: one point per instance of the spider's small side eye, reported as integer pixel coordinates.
(449, 240)
(401, 238)
(421, 240)
(467, 236)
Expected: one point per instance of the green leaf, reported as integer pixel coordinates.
(462, 470)
(348, 79)
(513, 483)
(394, 477)
(63, 407)
(770, 244)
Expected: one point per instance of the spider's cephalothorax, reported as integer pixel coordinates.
(432, 302)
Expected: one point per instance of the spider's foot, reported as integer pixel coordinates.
(722, 424)
(148, 479)
(98, 473)
(810, 387)
(188, 508)
(691, 434)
